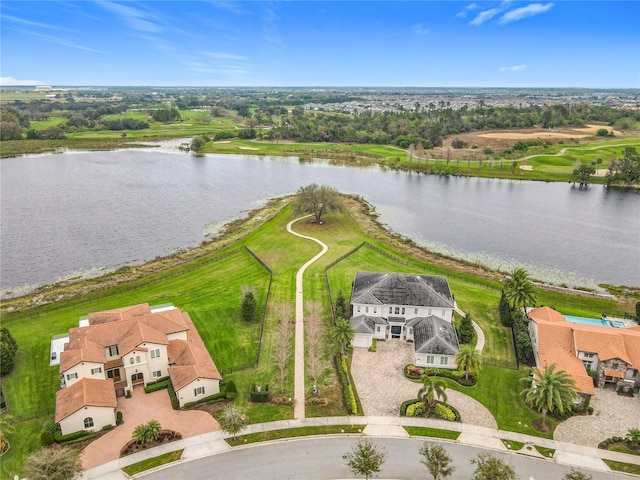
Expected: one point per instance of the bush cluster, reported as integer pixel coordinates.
(231, 391)
(173, 397)
(374, 345)
(415, 409)
(348, 394)
(119, 420)
(157, 385)
(218, 397)
(261, 396)
(445, 412)
(74, 437)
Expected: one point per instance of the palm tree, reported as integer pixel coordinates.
(342, 332)
(468, 359)
(147, 432)
(633, 437)
(431, 388)
(549, 391)
(519, 289)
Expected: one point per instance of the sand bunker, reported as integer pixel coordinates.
(592, 129)
(526, 167)
(530, 136)
(224, 141)
(248, 148)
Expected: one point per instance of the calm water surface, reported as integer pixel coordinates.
(84, 213)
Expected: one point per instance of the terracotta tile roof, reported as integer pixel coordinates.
(607, 342)
(86, 392)
(613, 373)
(190, 358)
(547, 314)
(127, 327)
(568, 362)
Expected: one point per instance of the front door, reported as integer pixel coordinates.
(137, 378)
(396, 331)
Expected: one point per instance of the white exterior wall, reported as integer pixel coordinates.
(159, 363)
(186, 393)
(362, 340)
(83, 369)
(101, 416)
(589, 357)
(368, 310)
(380, 332)
(422, 360)
(177, 336)
(533, 334)
(409, 311)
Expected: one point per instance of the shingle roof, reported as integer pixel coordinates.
(365, 324)
(435, 335)
(401, 289)
(87, 392)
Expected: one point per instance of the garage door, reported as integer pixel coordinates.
(362, 340)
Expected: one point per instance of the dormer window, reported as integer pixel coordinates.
(113, 350)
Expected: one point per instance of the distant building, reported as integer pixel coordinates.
(44, 88)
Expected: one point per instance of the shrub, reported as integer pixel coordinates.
(348, 395)
(218, 397)
(119, 420)
(411, 410)
(458, 143)
(413, 372)
(353, 405)
(258, 394)
(445, 412)
(173, 397)
(374, 345)
(465, 330)
(74, 437)
(106, 428)
(155, 386)
(46, 438)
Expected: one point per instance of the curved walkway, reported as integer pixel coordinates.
(299, 395)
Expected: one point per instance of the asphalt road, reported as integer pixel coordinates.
(322, 459)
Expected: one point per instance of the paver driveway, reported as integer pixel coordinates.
(382, 386)
(612, 416)
(139, 409)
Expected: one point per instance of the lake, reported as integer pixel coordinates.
(85, 213)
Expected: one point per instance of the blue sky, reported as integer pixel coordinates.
(314, 43)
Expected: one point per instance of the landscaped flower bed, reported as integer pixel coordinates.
(413, 372)
(133, 446)
(416, 408)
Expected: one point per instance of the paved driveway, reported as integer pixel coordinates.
(382, 386)
(139, 409)
(612, 416)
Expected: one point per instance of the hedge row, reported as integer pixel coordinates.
(348, 394)
(74, 437)
(415, 408)
(174, 398)
(261, 396)
(159, 385)
(415, 373)
(218, 397)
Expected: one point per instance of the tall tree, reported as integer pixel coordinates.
(282, 351)
(468, 359)
(432, 387)
(519, 289)
(365, 458)
(8, 349)
(505, 311)
(232, 421)
(438, 462)
(317, 200)
(342, 332)
(249, 304)
(51, 464)
(548, 390)
(465, 329)
(341, 306)
(490, 467)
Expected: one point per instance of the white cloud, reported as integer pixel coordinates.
(225, 56)
(420, 29)
(135, 18)
(231, 7)
(30, 23)
(524, 12)
(468, 8)
(13, 81)
(484, 16)
(515, 68)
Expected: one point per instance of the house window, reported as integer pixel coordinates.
(156, 374)
(402, 310)
(588, 355)
(444, 360)
(366, 309)
(138, 359)
(614, 365)
(198, 391)
(415, 311)
(430, 359)
(358, 308)
(155, 353)
(94, 371)
(429, 312)
(410, 331)
(397, 310)
(113, 350)
(88, 422)
(443, 312)
(72, 376)
(375, 309)
(390, 309)
(378, 328)
(132, 360)
(587, 365)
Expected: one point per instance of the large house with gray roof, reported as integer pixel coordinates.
(408, 307)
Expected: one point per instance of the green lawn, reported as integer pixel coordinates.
(153, 462)
(623, 467)
(432, 432)
(295, 432)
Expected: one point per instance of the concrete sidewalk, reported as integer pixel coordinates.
(483, 437)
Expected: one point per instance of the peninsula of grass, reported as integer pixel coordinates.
(154, 462)
(295, 432)
(631, 468)
(432, 432)
(206, 283)
(512, 445)
(544, 451)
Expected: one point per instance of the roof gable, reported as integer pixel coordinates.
(435, 335)
(87, 392)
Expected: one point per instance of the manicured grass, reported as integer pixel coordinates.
(545, 452)
(623, 449)
(432, 432)
(23, 441)
(295, 432)
(153, 462)
(623, 467)
(512, 444)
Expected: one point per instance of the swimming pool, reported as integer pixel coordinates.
(588, 321)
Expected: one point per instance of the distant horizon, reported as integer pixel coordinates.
(308, 44)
